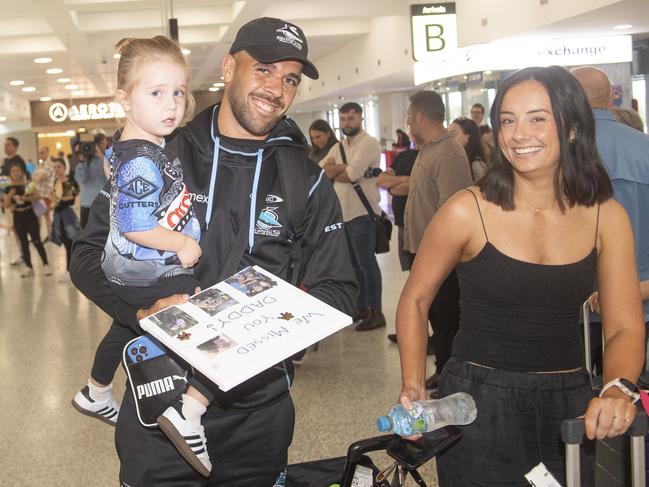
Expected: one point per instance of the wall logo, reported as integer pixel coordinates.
(138, 188)
(290, 36)
(268, 223)
(58, 112)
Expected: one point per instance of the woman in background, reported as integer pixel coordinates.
(467, 134)
(322, 138)
(65, 227)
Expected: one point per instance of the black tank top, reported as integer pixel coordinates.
(519, 315)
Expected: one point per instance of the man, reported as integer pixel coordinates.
(477, 113)
(12, 158)
(625, 154)
(441, 169)
(89, 173)
(361, 152)
(233, 155)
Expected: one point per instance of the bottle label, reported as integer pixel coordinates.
(419, 421)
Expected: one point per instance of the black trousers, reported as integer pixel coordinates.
(248, 448)
(26, 225)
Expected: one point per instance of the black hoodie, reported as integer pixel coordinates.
(222, 193)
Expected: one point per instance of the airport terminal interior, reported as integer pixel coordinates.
(58, 79)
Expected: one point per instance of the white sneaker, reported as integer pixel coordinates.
(18, 261)
(187, 438)
(47, 270)
(106, 411)
(27, 272)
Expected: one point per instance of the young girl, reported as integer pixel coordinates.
(25, 222)
(65, 227)
(153, 241)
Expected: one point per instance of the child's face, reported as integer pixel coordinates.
(155, 105)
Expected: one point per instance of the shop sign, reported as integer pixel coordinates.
(517, 54)
(60, 112)
(434, 30)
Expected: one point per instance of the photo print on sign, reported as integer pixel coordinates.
(250, 282)
(173, 321)
(220, 343)
(213, 301)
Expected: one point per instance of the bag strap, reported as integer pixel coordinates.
(358, 189)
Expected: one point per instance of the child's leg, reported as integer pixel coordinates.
(96, 398)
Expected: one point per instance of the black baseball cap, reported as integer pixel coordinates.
(270, 40)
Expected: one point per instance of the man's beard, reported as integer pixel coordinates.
(351, 131)
(245, 116)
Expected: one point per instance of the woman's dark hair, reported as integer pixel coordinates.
(580, 175)
(322, 126)
(473, 149)
(402, 139)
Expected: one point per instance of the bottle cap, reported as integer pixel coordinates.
(384, 423)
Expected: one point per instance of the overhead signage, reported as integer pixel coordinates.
(61, 112)
(507, 55)
(434, 30)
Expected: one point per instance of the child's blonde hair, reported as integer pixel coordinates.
(134, 53)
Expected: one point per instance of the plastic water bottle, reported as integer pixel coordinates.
(457, 409)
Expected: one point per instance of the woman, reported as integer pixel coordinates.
(19, 202)
(66, 224)
(486, 135)
(322, 138)
(528, 242)
(467, 134)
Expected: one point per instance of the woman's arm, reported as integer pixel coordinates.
(622, 320)
(445, 242)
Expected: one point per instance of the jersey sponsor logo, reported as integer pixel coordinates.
(158, 386)
(138, 188)
(198, 198)
(268, 223)
(335, 226)
(271, 198)
(178, 213)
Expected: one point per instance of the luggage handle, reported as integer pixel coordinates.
(573, 432)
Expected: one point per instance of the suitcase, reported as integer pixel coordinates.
(572, 434)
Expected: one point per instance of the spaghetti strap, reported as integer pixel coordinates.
(479, 212)
(597, 225)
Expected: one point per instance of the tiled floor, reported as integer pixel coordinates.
(49, 333)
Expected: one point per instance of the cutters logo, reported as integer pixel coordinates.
(138, 188)
(290, 36)
(268, 223)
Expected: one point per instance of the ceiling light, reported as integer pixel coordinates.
(185, 51)
(3, 119)
(219, 85)
(71, 87)
(46, 98)
(64, 80)
(28, 89)
(77, 93)
(622, 26)
(214, 88)
(43, 60)
(488, 72)
(17, 82)
(54, 71)
(117, 55)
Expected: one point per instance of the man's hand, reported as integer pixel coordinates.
(161, 304)
(189, 253)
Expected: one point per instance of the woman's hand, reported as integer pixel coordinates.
(407, 397)
(610, 415)
(593, 302)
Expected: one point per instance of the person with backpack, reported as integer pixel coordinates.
(241, 159)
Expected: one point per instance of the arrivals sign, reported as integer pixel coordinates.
(61, 112)
(434, 30)
(517, 54)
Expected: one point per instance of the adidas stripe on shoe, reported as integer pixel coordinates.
(106, 411)
(188, 438)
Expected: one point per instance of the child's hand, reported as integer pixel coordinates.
(189, 253)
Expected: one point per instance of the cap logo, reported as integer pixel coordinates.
(290, 36)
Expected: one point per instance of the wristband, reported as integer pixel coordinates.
(624, 385)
